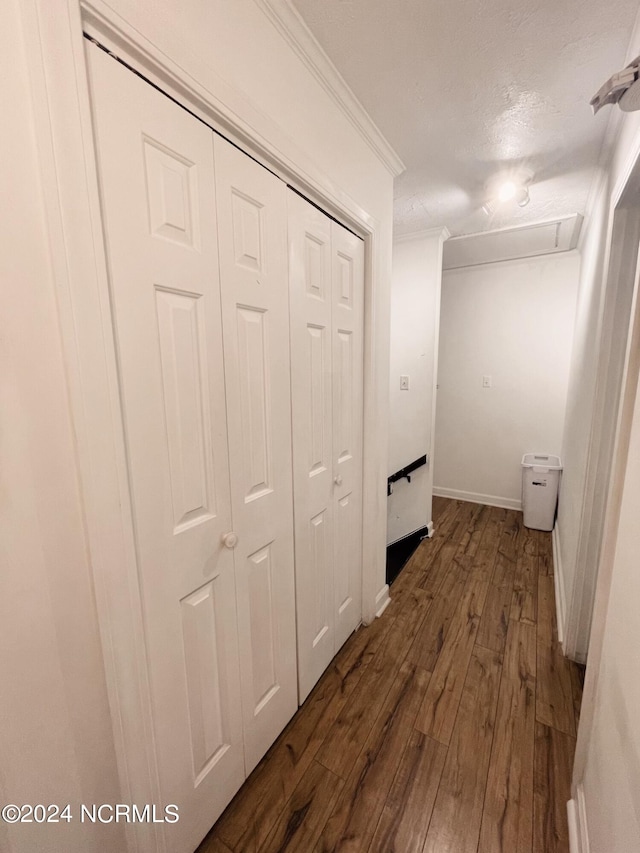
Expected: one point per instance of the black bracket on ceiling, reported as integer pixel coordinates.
(405, 473)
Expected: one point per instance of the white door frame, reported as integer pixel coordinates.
(55, 45)
(623, 196)
(617, 298)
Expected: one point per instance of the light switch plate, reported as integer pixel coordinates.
(486, 382)
(404, 383)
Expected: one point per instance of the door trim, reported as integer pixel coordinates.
(623, 193)
(618, 293)
(54, 42)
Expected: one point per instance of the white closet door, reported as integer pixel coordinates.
(347, 343)
(311, 309)
(252, 224)
(327, 287)
(156, 176)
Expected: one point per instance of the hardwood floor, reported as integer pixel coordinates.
(447, 726)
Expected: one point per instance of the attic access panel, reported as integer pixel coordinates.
(542, 238)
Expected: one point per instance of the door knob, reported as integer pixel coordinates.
(229, 540)
(338, 480)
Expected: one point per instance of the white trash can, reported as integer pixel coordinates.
(540, 481)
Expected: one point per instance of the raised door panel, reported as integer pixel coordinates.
(202, 644)
(252, 227)
(311, 344)
(156, 181)
(181, 336)
(347, 358)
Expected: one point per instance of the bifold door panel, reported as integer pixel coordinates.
(312, 388)
(347, 373)
(326, 284)
(252, 226)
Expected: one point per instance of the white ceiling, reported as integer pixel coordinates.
(463, 89)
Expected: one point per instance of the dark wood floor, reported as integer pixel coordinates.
(447, 726)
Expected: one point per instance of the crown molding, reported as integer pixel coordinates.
(441, 233)
(292, 27)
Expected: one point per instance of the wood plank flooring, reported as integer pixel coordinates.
(447, 726)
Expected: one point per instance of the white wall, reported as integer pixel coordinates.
(511, 321)
(415, 317)
(55, 732)
(609, 782)
(607, 770)
(56, 742)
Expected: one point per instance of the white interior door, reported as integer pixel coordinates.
(252, 227)
(310, 301)
(326, 293)
(156, 178)
(347, 342)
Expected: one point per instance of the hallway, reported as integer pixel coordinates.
(447, 726)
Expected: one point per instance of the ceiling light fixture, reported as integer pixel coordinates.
(503, 189)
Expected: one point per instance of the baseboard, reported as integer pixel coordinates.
(382, 600)
(473, 497)
(575, 845)
(577, 816)
(558, 582)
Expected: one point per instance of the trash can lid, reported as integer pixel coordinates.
(541, 460)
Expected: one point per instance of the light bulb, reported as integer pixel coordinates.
(507, 188)
(507, 191)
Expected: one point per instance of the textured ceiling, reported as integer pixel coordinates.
(464, 89)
